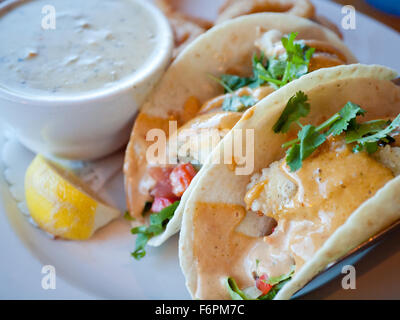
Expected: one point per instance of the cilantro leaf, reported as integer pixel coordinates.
(292, 50)
(259, 68)
(238, 103)
(365, 128)
(370, 147)
(157, 225)
(293, 158)
(383, 133)
(235, 82)
(310, 140)
(296, 108)
(347, 114)
(370, 142)
(276, 68)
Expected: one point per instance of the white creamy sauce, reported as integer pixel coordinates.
(95, 44)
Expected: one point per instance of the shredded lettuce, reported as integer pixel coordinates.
(158, 221)
(276, 282)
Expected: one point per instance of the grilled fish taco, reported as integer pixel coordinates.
(325, 179)
(209, 86)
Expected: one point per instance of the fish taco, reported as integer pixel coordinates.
(209, 86)
(325, 179)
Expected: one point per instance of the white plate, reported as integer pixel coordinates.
(102, 267)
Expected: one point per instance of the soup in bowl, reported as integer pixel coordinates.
(74, 73)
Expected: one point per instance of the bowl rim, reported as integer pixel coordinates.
(161, 55)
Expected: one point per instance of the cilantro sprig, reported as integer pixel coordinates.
(158, 221)
(276, 71)
(296, 108)
(366, 136)
(291, 65)
(276, 282)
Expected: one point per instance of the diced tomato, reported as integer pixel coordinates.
(163, 190)
(181, 177)
(160, 173)
(163, 186)
(262, 285)
(161, 203)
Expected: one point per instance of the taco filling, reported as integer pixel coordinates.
(328, 172)
(279, 60)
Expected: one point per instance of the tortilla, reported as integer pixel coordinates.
(328, 91)
(225, 48)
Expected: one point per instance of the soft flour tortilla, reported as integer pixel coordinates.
(328, 91)
(226, 48)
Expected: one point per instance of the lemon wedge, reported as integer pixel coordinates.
(61, 204)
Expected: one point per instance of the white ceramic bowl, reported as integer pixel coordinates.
(89, 125)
